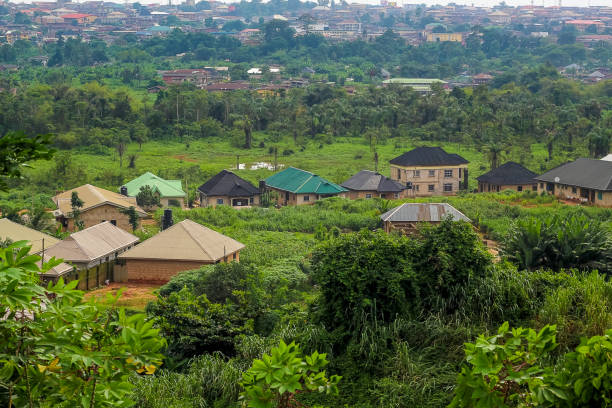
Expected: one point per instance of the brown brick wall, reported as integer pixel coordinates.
(486, 187)
(422, 182)
(157, 270)
(106, 212)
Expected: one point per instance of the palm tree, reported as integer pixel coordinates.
(494, 154)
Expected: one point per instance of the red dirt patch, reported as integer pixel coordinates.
(184, 158)
(134, 296)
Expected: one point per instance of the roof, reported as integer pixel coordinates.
(58, 270)
(185, 241)
(510, 173)
(165, 188)
(299, 181)
(76, 15)
(92, 197)
(93, 243)
(428, 156)
(227, 183)
(585, 22)
(423, 212)
(17, 232)
(367, 180)
(588, 173)
(416, 81)
(607, 157)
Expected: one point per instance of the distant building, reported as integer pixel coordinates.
(482, 79)
(420, 85)
(584, 24)
(508, 176)
(499, 17)
(198, 77)
(368, 184)
(444, 37)
(297, 187)
(429, 171)
(170, 192)
(184, 246)
(78, 18)
(226, 188)
(407, 217)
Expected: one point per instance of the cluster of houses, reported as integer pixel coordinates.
(102, 247)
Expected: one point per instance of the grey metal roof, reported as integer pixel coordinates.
(509, 173)
(588, 173)
(367, 180)
(423, 212)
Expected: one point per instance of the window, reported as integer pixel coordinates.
(574, 190)
(459, 172)
(519, 188)
(431, 187)
(399, 174)
(448, 173)
(306, 198)
(368, 195)
(417, 173)
(541, 185)
(599, 195)
(448, 187)
(234, 256)
(251, 200)
(432, 173)
(114, 222)
(534, 187)
(396, 195)
(219, 201)
(416, 187)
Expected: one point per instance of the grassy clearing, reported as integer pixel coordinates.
(135, 296)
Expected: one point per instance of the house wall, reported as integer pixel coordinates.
(422, 182)
(165, 201)
(153, 270)
(93, 276)
(488, 187)
(566, 192)
(354, 195)
(299, 199)
(102, 213)
(211, 201)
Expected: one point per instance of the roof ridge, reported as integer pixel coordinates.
(306, 181)
(194, 238)
(394, 211)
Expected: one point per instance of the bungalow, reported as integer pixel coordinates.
(407, 217)
(428, 171)
(586, 180)
(368, 184)
(170, 192)
(93, 251)
(508, 176)
(198, 77)
(226, 188)
(39, 242)
(184, 246)
(99, 205)
(296, 187)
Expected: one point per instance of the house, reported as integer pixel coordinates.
(170, 192)
(226, 188)
(93, 251)
(78, 18)
(420, 85)
(296, 187)
(508, 176)
(99, 205)
(482, 79)
(39, 242)
(184, 246)
(582, 25)
(368, 184)
(444, 37)
(586, 180)
(198, 77)
(428, 171)
(407, 217)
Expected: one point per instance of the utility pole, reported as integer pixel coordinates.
(237, 162)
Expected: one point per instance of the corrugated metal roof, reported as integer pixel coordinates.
(423, 212)
(17, 232)
(185, 241)
(587, 173)
(165, 188)
(299, 181)
(510, 173)
(92, 243)
(367, 180)
(93, 196)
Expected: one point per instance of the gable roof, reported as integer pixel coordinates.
(509, 173)
(226, 183)
(423, 212)
(367, 180)
(93, 243)
(588, 173)
(17, 232)
(185, 241)
(299, 181)
(92, 197)
(428, 156)
(165, 188)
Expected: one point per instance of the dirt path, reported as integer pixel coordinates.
(135, 295)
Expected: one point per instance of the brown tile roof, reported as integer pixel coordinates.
(92, 197)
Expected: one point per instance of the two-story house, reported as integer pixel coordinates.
(430, 171)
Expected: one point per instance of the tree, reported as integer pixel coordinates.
(76, 204)
(147, 198)
(120, 151)
(18, 149)
(133, 218)
(73, 352)
(275, 380)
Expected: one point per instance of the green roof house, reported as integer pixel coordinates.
(170, 191)
(296, 187)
